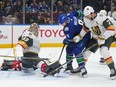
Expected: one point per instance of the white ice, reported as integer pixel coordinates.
(98, 75)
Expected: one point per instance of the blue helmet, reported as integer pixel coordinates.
(62, 18)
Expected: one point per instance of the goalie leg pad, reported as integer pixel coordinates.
(7, 64)
(10, 64)
(27, 63)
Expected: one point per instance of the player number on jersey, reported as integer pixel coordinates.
(96, 30)
(24, 38)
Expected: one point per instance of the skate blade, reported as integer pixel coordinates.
(113, 78)
(84, 76)
(39, 74)
(56, 75)
(75, 71)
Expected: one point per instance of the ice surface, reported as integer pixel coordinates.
(98, 75)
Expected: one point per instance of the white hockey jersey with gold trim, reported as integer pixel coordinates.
(29, 42)
(101, 25)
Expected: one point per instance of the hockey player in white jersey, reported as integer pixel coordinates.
(28, 45)
(102, 13)
(27, 50)
(102, 31)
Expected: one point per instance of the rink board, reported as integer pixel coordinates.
(49, 35)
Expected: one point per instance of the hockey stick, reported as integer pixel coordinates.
(61, 52)
(23, 57)
(7, 56)
(67, 62)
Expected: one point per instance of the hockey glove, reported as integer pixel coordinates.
(101, 40)
(80, 13)
(66, 42)
(77, 38)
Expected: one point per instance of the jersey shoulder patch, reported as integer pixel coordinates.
(25, 41)
(107, 23)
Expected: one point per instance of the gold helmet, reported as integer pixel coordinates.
(34, 28)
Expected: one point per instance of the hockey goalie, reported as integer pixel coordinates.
(27, 51)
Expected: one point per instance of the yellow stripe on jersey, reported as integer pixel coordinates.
(111, 27)
(23, 44)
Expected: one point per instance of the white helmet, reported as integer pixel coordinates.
(103, 12)
(88, 10)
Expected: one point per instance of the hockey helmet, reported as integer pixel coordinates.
(103, 12)
(88, 10)
(62, 18)
(34, 28)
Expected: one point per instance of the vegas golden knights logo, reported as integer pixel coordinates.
(96, 30)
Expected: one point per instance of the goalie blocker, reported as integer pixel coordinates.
(49, 68)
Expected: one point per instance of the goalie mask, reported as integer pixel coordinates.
(34, 28)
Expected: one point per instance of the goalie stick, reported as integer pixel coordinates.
(23, 57)
(60, 67)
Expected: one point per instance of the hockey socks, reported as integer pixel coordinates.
(110, 64)
(69, 62)
(81, 66)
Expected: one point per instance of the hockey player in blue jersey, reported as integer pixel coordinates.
(72, 27)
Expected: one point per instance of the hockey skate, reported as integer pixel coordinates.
(83, 72)
(112, 74)
(77, 70)
(69, 68)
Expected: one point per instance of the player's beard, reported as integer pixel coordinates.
(92, 18)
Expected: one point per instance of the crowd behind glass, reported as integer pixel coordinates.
(11, 11)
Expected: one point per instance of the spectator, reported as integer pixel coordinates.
(113, 14)
(60, 6)
(7, 8)
(39, 7)
(7, 19)
(45, 7)
(67, 6)
(18, 6)
(40, 20)
(34, 6)
(48, 21)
